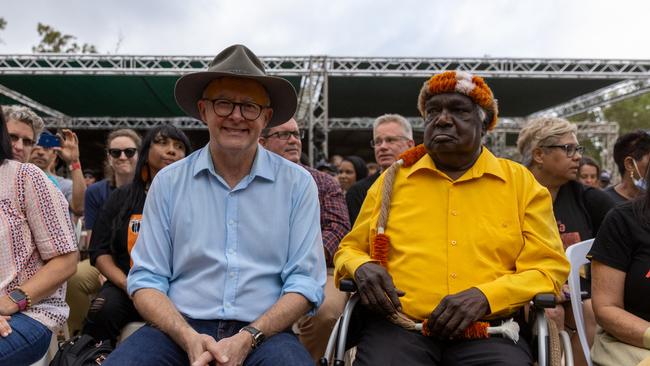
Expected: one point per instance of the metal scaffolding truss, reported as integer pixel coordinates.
(314, 72)
(334, 66)
(600, 98)
(106, 123)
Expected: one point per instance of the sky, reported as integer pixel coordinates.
(400, 28)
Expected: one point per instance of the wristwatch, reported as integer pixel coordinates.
(258, 336)
(19, 297)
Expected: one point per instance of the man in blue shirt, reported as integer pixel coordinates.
(229, 253)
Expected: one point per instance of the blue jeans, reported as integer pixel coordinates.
(27, 343)
(150, 346)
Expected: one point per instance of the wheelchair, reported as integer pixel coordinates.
(547, 341)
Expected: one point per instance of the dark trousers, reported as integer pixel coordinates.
(149, 346)
(380, 342)
(109, 312)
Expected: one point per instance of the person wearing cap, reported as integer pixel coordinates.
(229, 253)
(450, 235)
(45, 157)
(313, 331)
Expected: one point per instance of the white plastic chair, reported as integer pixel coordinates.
(577, 255)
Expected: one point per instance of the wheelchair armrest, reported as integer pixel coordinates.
(347, 285)
(544, 300)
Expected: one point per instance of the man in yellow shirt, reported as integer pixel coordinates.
(470, 237)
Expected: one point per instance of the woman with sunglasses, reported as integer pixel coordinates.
(121, 156)
(38, 253)
(549, 148)
(116, 231)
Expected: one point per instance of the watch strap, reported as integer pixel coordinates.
(258, 336)
(20, 298)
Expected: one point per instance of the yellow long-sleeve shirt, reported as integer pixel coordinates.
(493, 229)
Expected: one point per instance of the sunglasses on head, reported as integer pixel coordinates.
(128, 152)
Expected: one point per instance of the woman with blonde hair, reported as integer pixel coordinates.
(121, 156)
(549, 148)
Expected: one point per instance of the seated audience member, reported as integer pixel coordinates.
(621, 285)
(392, 134)
(604, 179)
(121, 157)
(37, 254)
(314, 331)
(327, 168)
(373, 168)
(551, 151)
(24, 128)
(632, 157)
(589, 172)
(90, 177)
(335, 160)
(459, 236)
(351, 169)
(229, 253)
(116, 230)
(45, 157)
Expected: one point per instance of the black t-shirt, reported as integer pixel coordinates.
(579, 210)
(100, 241)
(357, 193)
(623, 243)
(615, 196)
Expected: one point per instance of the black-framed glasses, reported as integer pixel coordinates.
(224, 107)
(129, 152)
(27, 142)
(285, 135)
(388, 139)
(569, 149)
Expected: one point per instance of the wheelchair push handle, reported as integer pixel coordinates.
(544, 300)
(347, 285)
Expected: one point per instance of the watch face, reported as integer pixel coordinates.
(17, 296)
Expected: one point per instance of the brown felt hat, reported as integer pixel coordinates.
(237, 61)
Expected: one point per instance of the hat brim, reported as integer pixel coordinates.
(189, 89)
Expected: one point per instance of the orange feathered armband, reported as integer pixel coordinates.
(412, 155)
(380, 249)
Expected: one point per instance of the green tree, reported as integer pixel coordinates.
(631, 114)
(54, 41)
(3, 24)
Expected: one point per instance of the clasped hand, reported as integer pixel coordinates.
(457, 312)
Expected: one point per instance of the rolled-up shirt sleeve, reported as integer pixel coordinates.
(305, 270)
(152, 253)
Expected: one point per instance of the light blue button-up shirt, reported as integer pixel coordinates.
(230, 254)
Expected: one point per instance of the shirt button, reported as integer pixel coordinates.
(232, 274)
(231, 222)
(453, 242)
(228, 305)
(453, 276)
(454, 213)
(231, 251)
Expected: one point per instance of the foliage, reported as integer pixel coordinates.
(3, 24)
(631, 114)
(56, 42)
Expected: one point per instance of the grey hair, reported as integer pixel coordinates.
(25, 115)
(539, 132)
(406, 125)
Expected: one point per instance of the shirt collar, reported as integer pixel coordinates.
(486, 163)
(262, 166)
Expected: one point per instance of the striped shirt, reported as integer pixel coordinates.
(34, 227)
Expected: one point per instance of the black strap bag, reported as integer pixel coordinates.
(81, 350)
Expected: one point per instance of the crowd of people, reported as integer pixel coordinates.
(233, 253)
